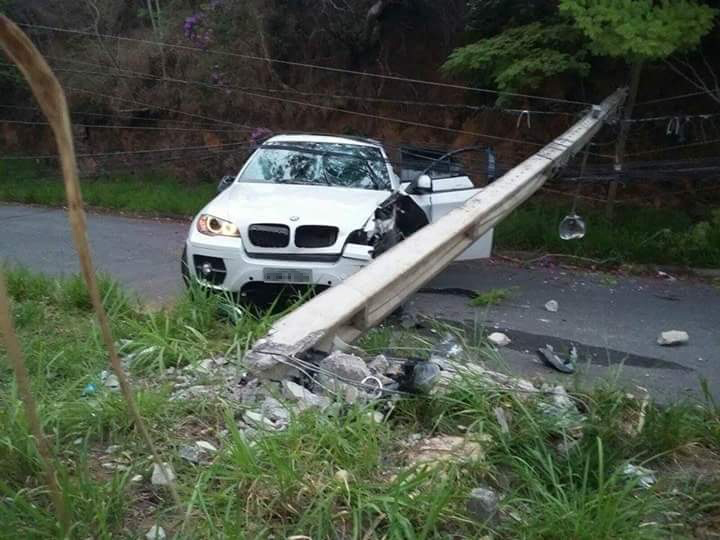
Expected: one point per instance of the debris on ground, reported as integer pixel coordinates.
(565, 365)
(445, 448)
(673, 337)
(449, 347)
(552, 306)
(110, 380)
(156, 532)
(502, 417)
(302, 397)
(482, 504)
(425, 375)
(644, 476)
(162, 476)
(499, 339)
(208, 447)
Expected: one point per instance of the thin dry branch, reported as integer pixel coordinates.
(22, 378)
(51, 98)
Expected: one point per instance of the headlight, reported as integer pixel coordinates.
(214, 226)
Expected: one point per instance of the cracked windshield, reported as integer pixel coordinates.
(341, 165)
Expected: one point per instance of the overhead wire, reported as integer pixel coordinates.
(302, 64)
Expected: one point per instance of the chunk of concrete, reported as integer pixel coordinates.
(347, 367)
(162, 476)
(304, 398)
(156, 532)
(552, 306)
(482, 504)
(499, 339)
(672, 338)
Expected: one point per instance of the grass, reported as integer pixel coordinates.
(637, 235)
(340, 475)
(491, 297)
(154, 192)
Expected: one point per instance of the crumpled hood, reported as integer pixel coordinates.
(245, 203)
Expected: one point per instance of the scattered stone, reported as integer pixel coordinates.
(552, 306)
(304, 398)
(345, 366)
(445, 448)
(673, 337)
(482, 504)
(259, 420)
(379, 364)
(137, 478)
(502, 418)
(110, 380)
(499, 339)
(162, 476)
(644, 477)
(377, 416)
(274, 410)
(193, 454)
(342, 476)
(204, 445)
(113, 448)
(156, 533)
(564, 365)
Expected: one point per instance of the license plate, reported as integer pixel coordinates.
(287, 275)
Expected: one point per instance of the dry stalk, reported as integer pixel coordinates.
(51, 98)
(7, 332)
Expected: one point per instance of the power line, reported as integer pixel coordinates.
(111, 126)
(129, 152)
(304, 65)
(688, 145)
(660, 100)
(369, 99)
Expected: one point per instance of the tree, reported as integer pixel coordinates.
(638, 31)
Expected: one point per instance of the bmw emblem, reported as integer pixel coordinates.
(294, 218)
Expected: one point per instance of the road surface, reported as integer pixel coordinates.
(613, 321)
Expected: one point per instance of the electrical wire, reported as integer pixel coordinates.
(301, 64)
(115, 126)
(660, 100)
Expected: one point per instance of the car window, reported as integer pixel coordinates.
(331, 164)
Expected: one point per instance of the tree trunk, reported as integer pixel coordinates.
(635, 71)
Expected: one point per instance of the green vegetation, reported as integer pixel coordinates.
(528, 43)
(154, 192)
(492, 297)
(328, 476)
(636, 235)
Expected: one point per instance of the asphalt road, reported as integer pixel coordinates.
(614, 321)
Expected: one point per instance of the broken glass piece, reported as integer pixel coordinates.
(572, 227)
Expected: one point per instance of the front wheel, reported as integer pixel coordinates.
(184, 268)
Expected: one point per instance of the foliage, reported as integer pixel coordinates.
(491, 297)
(521, 57)
(486, 18)
(640, 29)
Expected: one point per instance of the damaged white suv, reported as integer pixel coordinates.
(312, 210)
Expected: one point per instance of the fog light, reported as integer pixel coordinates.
(206, 269)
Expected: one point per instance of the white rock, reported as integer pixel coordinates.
(160, 479)
(673, 337)
(156, 532)
(305, 398)
(482, 504)
(499, 339)
(137, 478)
(206, 446)
(552, 306)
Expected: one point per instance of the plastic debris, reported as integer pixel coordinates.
(645, 477)
(673, 337)
(564, 365)
(90, 389)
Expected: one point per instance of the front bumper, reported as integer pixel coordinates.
(240, 269)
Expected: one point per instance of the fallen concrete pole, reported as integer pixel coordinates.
(367, 297)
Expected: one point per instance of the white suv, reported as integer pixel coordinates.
(312, 210)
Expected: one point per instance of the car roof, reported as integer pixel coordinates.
(316, 138)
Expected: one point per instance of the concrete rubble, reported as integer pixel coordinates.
(552, 306)
(162, 476)
(672, 338)
(499, 339)
(156, 533)
(482, 504)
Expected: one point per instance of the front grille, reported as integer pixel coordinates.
(300, 257)
(210, 269)
(315, 236)
(269, 235)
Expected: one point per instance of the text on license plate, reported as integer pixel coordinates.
(287, 275)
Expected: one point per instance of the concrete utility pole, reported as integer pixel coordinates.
(367, 297)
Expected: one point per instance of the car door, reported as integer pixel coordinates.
(446, 195)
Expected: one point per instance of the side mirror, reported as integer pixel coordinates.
(423, 183)
(225, 183)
